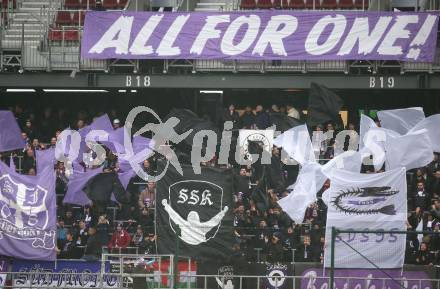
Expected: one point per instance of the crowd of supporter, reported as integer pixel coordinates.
(261, 230)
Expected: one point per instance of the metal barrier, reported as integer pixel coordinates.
(73, 280)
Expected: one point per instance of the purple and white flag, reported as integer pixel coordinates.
(366, 202)
(28, 214)
(101, 123)
(10, 133)
(261, 35)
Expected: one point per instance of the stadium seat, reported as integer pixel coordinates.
(361, 4)
(55, 35)
(110, 4)
(297, 4)
(71, 35)
(248, 4)
(91, 4)
(264, 4)
(64, 18)
(345, 4)
(122, 4)
(71, 4)
(78, 18)
(329, 4)
(310, 3)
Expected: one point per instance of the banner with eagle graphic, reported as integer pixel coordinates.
(196, 209)
(367, 202)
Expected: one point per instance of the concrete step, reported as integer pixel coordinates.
(18, 38)
(27, 26)
(36, 5)
(25, 14)
(26, 17)
(204, 9)
(203, 4)
(32, 9)
(26, 32)
(45, 1)
(210, 1)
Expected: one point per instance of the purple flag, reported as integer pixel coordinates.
(261, 35)
(28, 219)
(10, 133)
(100, 123)
(116, 140)
(45, 158)
(77, 181)
(125, 174)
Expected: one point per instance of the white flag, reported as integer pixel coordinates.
(367, 202)
(419, 229)
(297, 144)
(413, 150)
(401, 120)
(309, 181)
(432, 125)
(349, 161)
(365, 125)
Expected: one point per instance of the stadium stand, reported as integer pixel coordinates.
(253, 223)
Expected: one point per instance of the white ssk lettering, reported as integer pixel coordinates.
(194, 197)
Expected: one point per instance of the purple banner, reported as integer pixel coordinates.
(261, 35)
(367, 279)
(28, 218)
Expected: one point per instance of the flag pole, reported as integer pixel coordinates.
(332, 258)
(176, 259)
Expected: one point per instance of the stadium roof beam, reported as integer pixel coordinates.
(213, 81)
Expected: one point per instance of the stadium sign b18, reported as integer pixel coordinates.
(281, 35)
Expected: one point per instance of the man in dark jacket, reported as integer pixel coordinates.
(262, 119)
(248, 118)
(93, 248)
(275, 251)
(231, 115)
(148, 245)
(69, 250)
(421, 196)
(304, 253)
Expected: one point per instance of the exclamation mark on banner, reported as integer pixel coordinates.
(421, 37)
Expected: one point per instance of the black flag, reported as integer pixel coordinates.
(283, 122)
(324, 105)
(101, 187)
(197, 209)
(190, 120)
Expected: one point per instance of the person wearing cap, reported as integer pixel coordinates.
(120, 238)
(116, 123)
